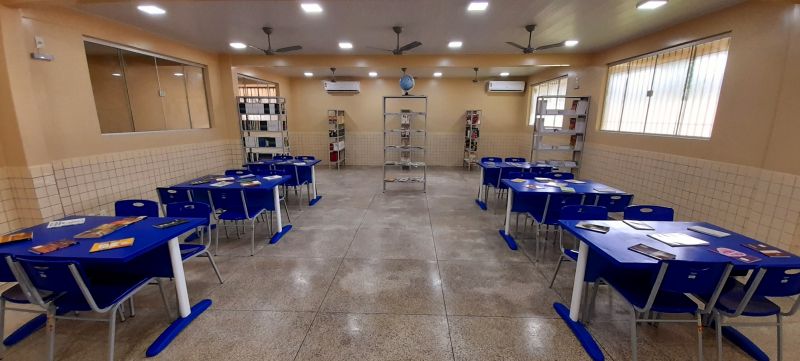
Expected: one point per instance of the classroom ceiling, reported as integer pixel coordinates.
(212, 25)
(490, 73)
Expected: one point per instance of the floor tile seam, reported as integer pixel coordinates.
(441, 282)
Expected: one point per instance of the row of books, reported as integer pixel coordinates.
(261, 108)
(334, 133)
(336, 145)
(267, 126)
(472, 133)
(264, 142)
(261, 117)
(473, 118)
(471, 145)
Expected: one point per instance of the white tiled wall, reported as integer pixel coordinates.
(8, 212)
(759, 203)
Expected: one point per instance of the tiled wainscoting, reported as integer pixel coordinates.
(760, 203)
(90, 185)
(444, 149)
(8, 212)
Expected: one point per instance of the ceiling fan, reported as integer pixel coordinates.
(529, 49)
(476, 75)
(269, 51)
(333, 75)
(399, 50)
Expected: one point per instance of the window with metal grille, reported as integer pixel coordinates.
(670, 92)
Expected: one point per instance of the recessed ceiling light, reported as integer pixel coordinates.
(151, 10)
(178, 74)
(505, 73)
(437, 74)
(477, 6)
(345, 45)
(454, 44)
(308, 74)
(650, 4)
(311, 7)
(373, 74)
(571, 43)
(116, 74)
(238, 45)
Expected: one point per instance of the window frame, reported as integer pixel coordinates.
(206, 84)
(687, 44)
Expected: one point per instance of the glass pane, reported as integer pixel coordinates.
(640, 78)
(669, 83)
(171, 77)
(615, 96)
(705, 83)
(143, 90)
(108, 86)
(196, 90)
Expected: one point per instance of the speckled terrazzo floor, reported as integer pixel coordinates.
(366, 275)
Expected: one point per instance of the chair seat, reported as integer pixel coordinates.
(636, 292)
(190, 250)
(237, 216)
(15, 295)
(106, 292)
(758, 306)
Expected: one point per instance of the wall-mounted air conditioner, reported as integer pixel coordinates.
(505, 86)
(342, 86)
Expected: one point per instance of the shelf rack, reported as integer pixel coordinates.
(405, 122)
(471, 134)
(336, 145)
(560, 118)
(263, 124)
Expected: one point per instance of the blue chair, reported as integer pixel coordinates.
(492, 159)
(514, 159)
(17, 296)
(521, 175)
(540, 171)
(170, 196)
(259, 169)
(236, 172)
(282, 157)
(301, 175)
(549, 213)
(76, 292)
(560, 175)
(614, 203)
(649, 213)
(196, 210)
(668, 293)
(581, 213)
(235, 205)
(135, 208)
(751, 300)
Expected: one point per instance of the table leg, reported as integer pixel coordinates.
(505, 232)
(315, 198)
(180, 279)
(481, 193)
(276, 198)
(577, 283)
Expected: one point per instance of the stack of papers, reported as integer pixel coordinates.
(220, 184)
(272, 177)
(677, 239)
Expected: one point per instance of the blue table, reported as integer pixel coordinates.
(517, 188)
(304, 163)
(266, 185)
(147, 240)
(612, 247)
(519, 166)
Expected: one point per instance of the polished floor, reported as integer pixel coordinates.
(401, 275)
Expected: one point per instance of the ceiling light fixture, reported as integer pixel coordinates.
(308, 74)
(178, 74)
(571, 43)
(238, 45)
(650, 4)
(373, 74)
(311, 7)
(454, 44)
(151, 10)
(345, 45)
(437, 74)
(504, 74)
(116, 74)
(477, 6)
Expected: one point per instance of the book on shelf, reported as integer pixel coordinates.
(109, 245)
(108, 228)
(16, 237)
(52, 246)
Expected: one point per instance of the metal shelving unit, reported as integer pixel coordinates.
(263, 124)
(336, 134)
(560, 118)
(404, 139)
(471, 134)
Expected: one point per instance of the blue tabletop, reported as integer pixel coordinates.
(146, 238)
(265, 183)
(520, 165)
(614, 244)
(305, 163)
(588, 187)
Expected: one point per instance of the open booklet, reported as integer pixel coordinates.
(16, 237)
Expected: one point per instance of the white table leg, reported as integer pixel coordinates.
(314, 182)
(184, 308)
(277, 200)
(481, 195)
(508, 211)
(577, 283)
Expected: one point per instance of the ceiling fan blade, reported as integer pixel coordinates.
(381, 49)
(288, 48)
(515, 45)
(545, 47)
(265, 51)
(409, 46)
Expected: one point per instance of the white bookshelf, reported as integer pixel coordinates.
(263, 123)
(472, 122)
(337, 152)
(560, 131)
(404, 139)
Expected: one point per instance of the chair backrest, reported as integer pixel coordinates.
(552, 213)
(135, 208)
(171, 195)
(540, 171)
(236, 172)
(259, 169)
(614, 202)
(491, 176)
(228, 200)
(560, 175)
(514, 159)
(521, 175)
(491, 159)
(649, 213)
(300, 174)
(305, 157)
(779, 282)
(691, 277)
(583, 213)
(64, 278)
(282, 157)
(189, 210)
